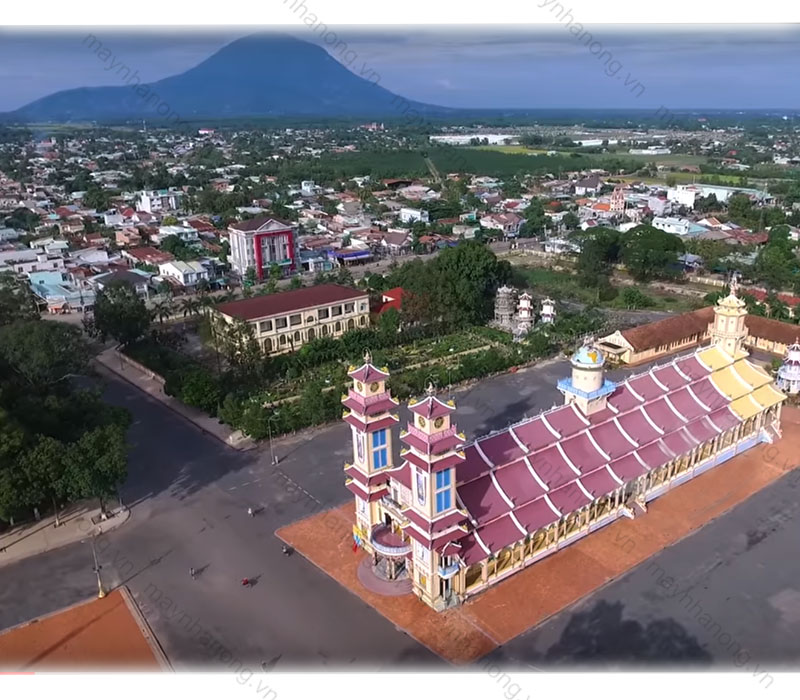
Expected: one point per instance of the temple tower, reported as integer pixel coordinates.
(587, 388)
(368, 405)
(617, 201)
(504, 307)
(548, 314)
(789, 373)
(728, 330)
(433, 451)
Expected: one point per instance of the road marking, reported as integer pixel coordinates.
(246, 483)
(231, 488)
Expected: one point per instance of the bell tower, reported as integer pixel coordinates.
(728, 330)
(368, 405)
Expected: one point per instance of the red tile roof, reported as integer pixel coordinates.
(257, 223)
(287, 302)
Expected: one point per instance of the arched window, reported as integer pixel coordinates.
(282, 340)
(351, 324)
(267, 344)
(363, 320)
(337, 327)
(297, 337)
(311, 334)
(325, 330)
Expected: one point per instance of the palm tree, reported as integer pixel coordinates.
(163, 310)
(190, 307)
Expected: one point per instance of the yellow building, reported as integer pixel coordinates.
(284, 322)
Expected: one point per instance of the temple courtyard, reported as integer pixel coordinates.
(189, 496)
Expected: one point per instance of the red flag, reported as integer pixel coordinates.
(355, 546)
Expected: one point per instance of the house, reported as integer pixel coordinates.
(127, 237)
(186, 233)
(146, 256)
(680, 227)
(508, 224)
(285, 321)
(588, 185)
(683, 195)
(187, 274)
(659, 205)
(153, 201)
(409, 215)
(61, 293)
(137, 279)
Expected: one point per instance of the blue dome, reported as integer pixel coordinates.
(588, 356)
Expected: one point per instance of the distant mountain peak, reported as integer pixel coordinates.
(259, 75)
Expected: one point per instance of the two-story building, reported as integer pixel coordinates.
(284, 322)
(262, 242)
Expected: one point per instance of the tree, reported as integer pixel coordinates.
(535, 218)
(634, 298)
(250, 276)
(570, 221)
(120, 313)
(600, 251)
(296, 282)
(169, 221)
(649, 253)
(43, 468)
(96, 464)
(16, 300)
(43, 352)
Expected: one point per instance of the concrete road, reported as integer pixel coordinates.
(727, 596)
(189, 497)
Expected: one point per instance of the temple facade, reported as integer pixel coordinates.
(789, 372)
(516, 314)
(456, 516)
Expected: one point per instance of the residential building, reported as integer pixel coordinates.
(186, 233)
(508, 224)
(61, 293)
(262, 242)
(680, 227)
(187, 274)
(154, 201)
(409, 215)
(285, 321)
(137, 279)
(588, 185)
(146, 255)
(684, 195)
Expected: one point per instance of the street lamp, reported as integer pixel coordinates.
(273, 459)
(100, 592)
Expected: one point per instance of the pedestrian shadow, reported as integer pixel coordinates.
(149, 565)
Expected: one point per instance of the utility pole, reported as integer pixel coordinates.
(100, 592)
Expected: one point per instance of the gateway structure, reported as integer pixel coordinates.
(458, 516)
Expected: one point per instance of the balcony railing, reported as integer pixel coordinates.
(385, 542)
(448, 571)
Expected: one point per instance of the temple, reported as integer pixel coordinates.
(456, 516)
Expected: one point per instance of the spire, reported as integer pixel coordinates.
(734, 284)
(430, 390)
(367, 357)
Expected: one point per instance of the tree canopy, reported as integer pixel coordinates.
(120, 313)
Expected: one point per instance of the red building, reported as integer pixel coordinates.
(262, 242)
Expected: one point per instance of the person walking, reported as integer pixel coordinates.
(192, 573)
(250, 512)
(245, 581)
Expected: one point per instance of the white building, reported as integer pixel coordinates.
(409, 215)
(684, 195)
(153, 201)
(509, 224)
(187, 274)
(261, 242)
(669, 224)
(186, 233)
(308, 188)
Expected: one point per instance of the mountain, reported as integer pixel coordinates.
(262, 75)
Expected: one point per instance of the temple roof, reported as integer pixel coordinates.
(525, 477)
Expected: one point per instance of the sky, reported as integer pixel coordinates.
(645, 66)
